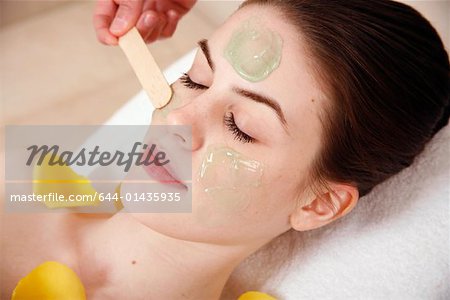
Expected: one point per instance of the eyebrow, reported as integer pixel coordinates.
(203, 44)
(264, 100)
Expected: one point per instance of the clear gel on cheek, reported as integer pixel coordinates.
(229, 181)
(254, 51)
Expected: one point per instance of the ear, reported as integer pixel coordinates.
(325, 208)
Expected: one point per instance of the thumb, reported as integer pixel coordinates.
(126, 17)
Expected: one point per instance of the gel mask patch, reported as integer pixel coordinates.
(254, 51)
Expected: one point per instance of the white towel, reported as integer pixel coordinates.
(394, 245)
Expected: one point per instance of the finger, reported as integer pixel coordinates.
(126, 16)
(181, 6)
(106, 38)
(154, 35)
(103, 14)
(151, 35)
(187, 4)
(147, 22)
(149, 5)
(172, 20)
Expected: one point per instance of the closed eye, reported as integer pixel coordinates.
(239, 135)
(189, 83)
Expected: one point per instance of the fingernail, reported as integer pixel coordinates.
(118, 25)
(148, 20)
(172, 14)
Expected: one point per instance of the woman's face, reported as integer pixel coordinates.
(253, 105)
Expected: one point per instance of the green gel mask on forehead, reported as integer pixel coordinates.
(254, 51)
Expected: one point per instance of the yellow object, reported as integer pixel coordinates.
(53, 181)
(50, 281)
(253, 295)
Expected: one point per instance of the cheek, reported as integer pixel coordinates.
(227, 184)
(241, 194)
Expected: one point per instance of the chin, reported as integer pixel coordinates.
(183, 226)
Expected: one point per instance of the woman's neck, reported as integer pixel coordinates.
(122, 256)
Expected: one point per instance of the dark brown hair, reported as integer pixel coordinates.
(387, 73)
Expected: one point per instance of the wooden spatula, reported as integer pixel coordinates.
(145, 67)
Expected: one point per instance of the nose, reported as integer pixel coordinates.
(185, 127)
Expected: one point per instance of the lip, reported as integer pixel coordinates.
(160, 173)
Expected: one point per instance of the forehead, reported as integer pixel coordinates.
(293, 82)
